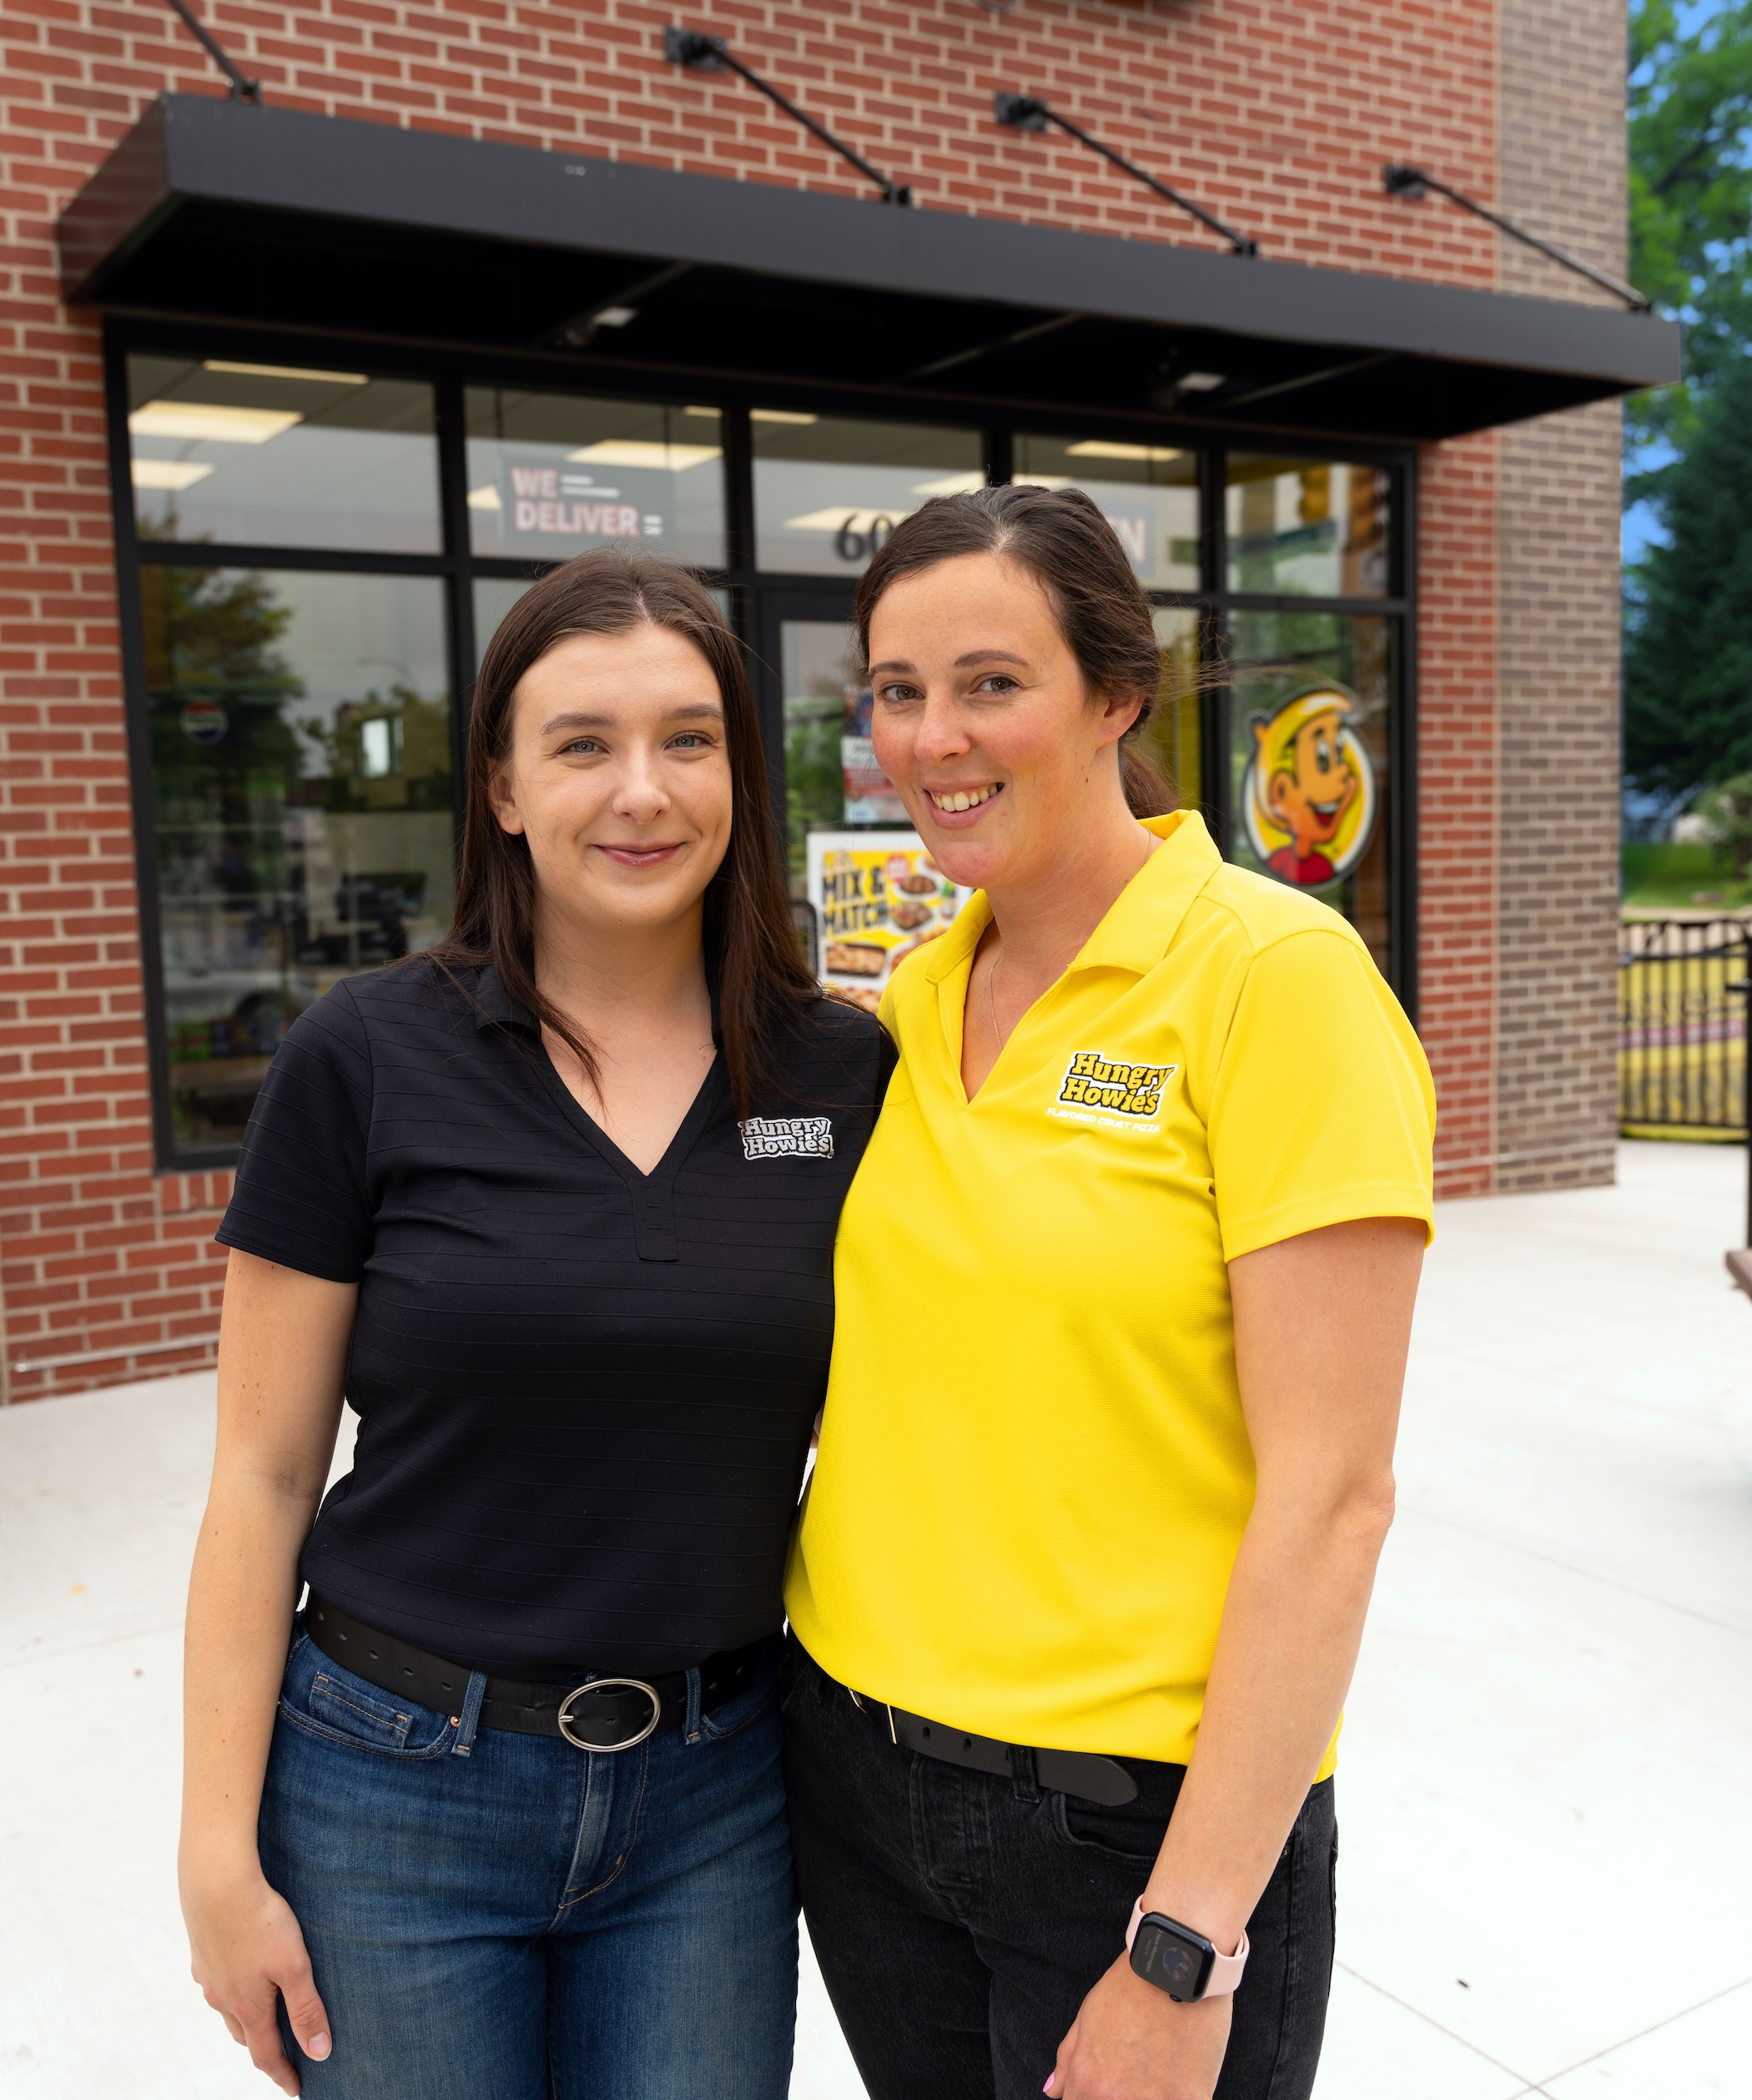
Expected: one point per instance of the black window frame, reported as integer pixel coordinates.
(754, 595)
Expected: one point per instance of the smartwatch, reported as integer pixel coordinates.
(1179, 1961)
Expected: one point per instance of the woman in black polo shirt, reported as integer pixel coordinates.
(554, 1207)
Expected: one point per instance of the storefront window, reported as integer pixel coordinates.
(298, 719)
(300, 738)
(280, 455)
(1172, 735)
(551, 475)
(1310, 758)
(494, 597)
(832, 780)
(1307, 529)
(1148, 494)
(827, 491)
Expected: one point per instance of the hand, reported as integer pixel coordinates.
(246, 1949)
(1131, 2041)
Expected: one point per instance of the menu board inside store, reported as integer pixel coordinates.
(878, 897)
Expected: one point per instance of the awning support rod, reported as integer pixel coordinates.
(712, 54)
(243, 88)
(1413, 184)
(1028, 113)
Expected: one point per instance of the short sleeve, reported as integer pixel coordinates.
(1323, 1109)
(300, 1197)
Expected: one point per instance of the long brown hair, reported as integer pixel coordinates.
(1060, 537)
(756, 970)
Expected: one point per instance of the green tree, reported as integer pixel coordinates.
(211, 636)
(1727, 815)
(1688, 665)
(1690, 181)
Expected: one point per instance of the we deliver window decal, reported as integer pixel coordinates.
(545, 500)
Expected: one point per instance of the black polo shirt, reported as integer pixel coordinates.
(585, 1393)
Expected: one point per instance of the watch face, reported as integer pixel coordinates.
(1179, 1966)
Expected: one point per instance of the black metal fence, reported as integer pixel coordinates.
(1682, 1026)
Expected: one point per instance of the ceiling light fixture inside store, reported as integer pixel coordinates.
(168, 474)
(1028, 113)
(209, 420)
(1099, 448)
(712, 54)
(640, 451)
(780, 415)
(485, 499)
(286, 371)
(950, 484)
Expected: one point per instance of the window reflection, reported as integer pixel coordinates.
(1148, 494)
(832, 780)
(1314, 530)
(552, 475)
(281, 456)
(827, 491)
(494, 597)
(300, 728)
(1172, 733)
(1310, 759)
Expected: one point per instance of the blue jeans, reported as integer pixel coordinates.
(494, 1917)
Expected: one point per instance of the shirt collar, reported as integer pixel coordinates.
(494, 1005)
(495, 1008)
(1142, 920)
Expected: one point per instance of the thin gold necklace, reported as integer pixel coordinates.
(991, 999)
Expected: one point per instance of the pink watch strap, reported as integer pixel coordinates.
(1225, 1971)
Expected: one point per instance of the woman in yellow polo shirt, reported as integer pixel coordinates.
(1125, 1288)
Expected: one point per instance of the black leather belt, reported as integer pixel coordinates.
(608, 1714)
(1090, 1778)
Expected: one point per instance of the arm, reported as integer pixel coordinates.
(283, 1346)
(1322, 1324)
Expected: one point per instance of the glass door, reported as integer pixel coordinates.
(817, 709)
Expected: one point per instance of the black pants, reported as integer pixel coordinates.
(960, 1919)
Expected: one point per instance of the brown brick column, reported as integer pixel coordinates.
(1456, 842)
(1562, 175)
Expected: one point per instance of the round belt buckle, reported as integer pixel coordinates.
(609, 1684)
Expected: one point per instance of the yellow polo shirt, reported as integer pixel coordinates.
(1034, 1473)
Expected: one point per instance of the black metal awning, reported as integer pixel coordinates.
(272, 217)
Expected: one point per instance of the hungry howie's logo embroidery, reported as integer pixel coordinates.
(1093, 1081)
(788, 1137)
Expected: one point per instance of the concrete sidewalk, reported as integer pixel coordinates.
(1545, 1789)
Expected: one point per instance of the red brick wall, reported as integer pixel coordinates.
(1277, 113)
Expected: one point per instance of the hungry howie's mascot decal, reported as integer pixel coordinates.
(1308, 794)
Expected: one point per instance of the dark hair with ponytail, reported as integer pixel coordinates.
(751, 956)
(1074, 554)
